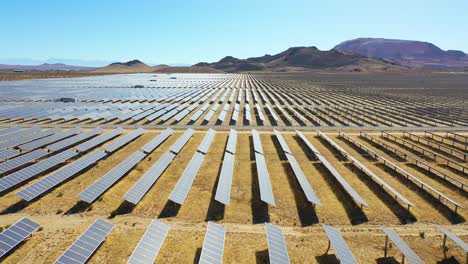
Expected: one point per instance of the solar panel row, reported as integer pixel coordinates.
(402, 246)
(8, 153)
(50, 139)
(148, 248)
(213, 246)
(83, 248)
(343, 253)
(99, 140)
(22, 160)
(19, 133)
(58, 177)
(157, 140)
(26, 139)
(74, 140)
(277, 251)
(124, 140)
(266, 192)
(35, 169)
(15, 234)
(96, 189)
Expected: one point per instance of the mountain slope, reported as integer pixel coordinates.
(406, 52)
(300, 59)
(46, 67)
(134, 66)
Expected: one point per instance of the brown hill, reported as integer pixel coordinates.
(187, 69)
(134, 66)
(406, 52)
(303, 59)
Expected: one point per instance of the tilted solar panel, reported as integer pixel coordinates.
(8, 153)
(257, 142)
(85, 246)
(157, 140)
(213, 246)
(26, 139)
(15, 234)
(266, 192)
(282, 142)
(19, 133)
(343, 253)
(50, 139)
(206, 143)
(19, 161)
(124, 140)
(35, 169)
(99, 140)
(74, 140)
(232, 141)
(303, 182)
(148, 248)
(96, 189)
(454, 238)
(141, 187)
(58, 177)
(402, 246)
(9, 130)
(180, 143)
(180, 191)
(223, 190)
(277, 250)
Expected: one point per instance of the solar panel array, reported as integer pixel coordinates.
(22, 160)
(277, 250)
(180, 191)
(83, 248)
(266, 192)
(99, 140)
(343, 252)
(180, 143)
(9, 130)
(35, 169)
(96, 189)
(223, 190)
(19, 133)
(26, 139)
(213, 246)
(346, 186)
(157, 140)
(15, 234)
(8, 153)
(402, 246)
(50, 139)
(300, 176)
(148, 248)
(124, 140)
(74, 140)
(53, 180)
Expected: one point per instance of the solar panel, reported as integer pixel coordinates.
(99, 140)
(19, 133)
(50, 139)
(8, 153)
(83, 248)
(282, 142)
(124, 140)
(180, 143)
(184, 184)
(141, 187)
(157, 140)
(402, 246)
(223, 190)
(346, 186)
(232, 141)
(15, 234)
(19, 161)
(35, 169)
(56, 178)
(454, 238)
(277, 251)
(257, 142)
(148, 248)
(303, 182)
(213, 246)
(19, 141)
(266, 192)
(9, 130)
(222, 115)
(105, 182)
(205, 144)
(74, 140)
(343, 252)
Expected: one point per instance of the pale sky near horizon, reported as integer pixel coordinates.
(187, 32)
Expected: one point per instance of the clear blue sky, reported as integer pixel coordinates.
(178, 31)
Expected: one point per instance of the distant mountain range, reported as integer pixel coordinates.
(357, 55)
(300, 59)
(406, 52)
(46, 67)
